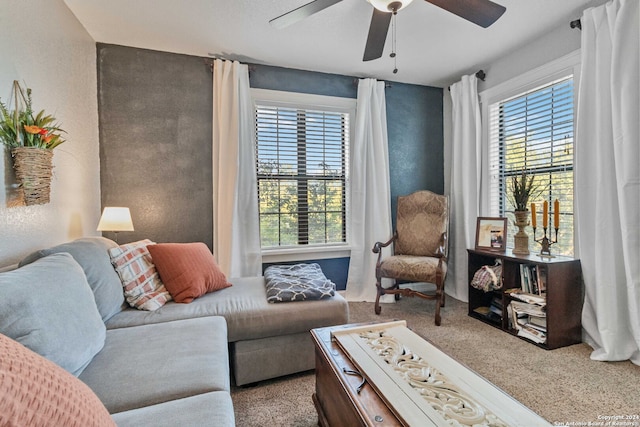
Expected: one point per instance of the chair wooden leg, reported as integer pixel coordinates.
(439, 299)
(438, 305)
(377, 307)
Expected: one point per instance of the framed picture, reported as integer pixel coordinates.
(491, 234)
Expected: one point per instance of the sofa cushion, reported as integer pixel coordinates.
(143, 288)
(151, 364)
(92, 255)
(188, 270)
(48, 307)
(211, 409)
(36, 392)
(248, 313)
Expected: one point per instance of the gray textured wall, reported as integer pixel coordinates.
(155, 142)
(155, 138)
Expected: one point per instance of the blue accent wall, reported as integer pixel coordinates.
(416, 140)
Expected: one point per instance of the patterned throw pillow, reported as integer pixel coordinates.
(297, 282)
(36, 392)
(143, 288)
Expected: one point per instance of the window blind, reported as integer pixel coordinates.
(301, 170)
(534, 132)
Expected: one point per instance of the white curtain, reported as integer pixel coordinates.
(370, 193)
(465, 182)
(607, 180)
(236, 230)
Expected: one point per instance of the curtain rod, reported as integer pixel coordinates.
(480, 75)
(356, 80)
(576, 24)
(209, 62)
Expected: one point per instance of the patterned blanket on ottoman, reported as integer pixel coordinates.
(297, 282)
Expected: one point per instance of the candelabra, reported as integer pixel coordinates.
(546, 242)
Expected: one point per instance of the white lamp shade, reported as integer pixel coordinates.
(115, 219)
(383, 5)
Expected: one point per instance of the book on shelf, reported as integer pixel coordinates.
(542, 279)
(524, 284)
(496, 305)
(488, 313)
(527, 297)
(516, 319)
(528, 309)
(533, 334)
(539, 322)
(532, 279)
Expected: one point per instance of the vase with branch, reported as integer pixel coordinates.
(31, 137)
(522, 188)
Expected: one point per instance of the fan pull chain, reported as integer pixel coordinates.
(393, 42)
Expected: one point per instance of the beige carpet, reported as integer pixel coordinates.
(563, 385)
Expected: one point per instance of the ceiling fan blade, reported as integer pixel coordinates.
(480, 12)
(377, 35)
(300, 13)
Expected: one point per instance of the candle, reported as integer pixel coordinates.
(556, 214)
(545, 214)
(533, 215)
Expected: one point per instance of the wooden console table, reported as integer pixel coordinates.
(343, 398)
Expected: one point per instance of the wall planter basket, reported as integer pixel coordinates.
(31, 137)
(33, 167)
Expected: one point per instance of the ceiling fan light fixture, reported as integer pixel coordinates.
(390, 5)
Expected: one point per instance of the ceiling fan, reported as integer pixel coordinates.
(480, 12)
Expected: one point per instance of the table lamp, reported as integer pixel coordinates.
(115, 219)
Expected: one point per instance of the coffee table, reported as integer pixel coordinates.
(383, 374)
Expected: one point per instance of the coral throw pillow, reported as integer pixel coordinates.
(188, 270)
(36, 392)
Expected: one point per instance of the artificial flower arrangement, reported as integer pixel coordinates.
(20, 128)
(522, 189)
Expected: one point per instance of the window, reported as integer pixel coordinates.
(302, 171)
(533, 131)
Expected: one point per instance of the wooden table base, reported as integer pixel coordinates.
(336, 398)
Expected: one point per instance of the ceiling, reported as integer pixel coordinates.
(434, 47)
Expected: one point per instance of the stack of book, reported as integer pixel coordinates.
(528, 316)
(493, 312)
(533, 279)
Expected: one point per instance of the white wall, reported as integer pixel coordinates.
(553, 45)
(43, 45)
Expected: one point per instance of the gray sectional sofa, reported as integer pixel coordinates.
(174, 366)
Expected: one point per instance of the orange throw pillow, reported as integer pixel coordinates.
(36, 392)
(188, 270)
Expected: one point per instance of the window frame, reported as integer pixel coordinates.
(266, 97)
(568, 65)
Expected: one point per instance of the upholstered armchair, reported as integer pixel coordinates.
(420, 246)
